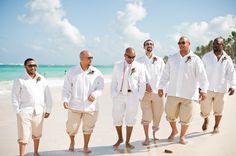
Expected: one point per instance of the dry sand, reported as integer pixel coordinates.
(55, 141)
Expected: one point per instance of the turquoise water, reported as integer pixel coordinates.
(11, 72)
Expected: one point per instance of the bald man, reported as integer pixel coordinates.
(82, 87)
(127, 89)
(184, 75)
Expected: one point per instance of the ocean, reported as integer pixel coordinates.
(11, 72)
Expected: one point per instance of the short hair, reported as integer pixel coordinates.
(27, 60)
(147, 41)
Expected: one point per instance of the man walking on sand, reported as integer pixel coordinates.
(151, 104)
(186, 78)
(32, 103)
(221, 75)
(82, 87)
(127, 88)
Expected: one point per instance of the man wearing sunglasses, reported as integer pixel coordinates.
(82, 87)
(221, 75)
(187, 82)
(151, 104)
(127, 89)
(32, 102)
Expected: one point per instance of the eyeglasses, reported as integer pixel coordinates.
(181, 43)
(32, 65)
(130, 57)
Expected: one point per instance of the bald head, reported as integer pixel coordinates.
(86, 58)
(129, 55)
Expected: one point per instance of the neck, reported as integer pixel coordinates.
(149, 54)
(32, 75)
(184, 52)
(84, 67)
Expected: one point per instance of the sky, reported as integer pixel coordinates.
(56, 31)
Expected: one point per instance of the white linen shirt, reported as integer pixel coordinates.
(79, 84)
(221, 74)
(136, 79)
(185, 76)
(154, 70)
(29, 95)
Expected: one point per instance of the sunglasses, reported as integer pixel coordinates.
(181, 43)
(130, 57)
(32, 65)
(90, 58)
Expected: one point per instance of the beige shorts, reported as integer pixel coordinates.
(179, 107)
(26, 123)
(152, 109)
(74, 119)
(213, 101)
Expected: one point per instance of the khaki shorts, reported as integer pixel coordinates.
(74, 119)
(213, 101)
(179, 107)
(152, 109)
(26, 123)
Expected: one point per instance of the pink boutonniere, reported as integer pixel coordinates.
(132, 71)
(225, 58)
(154, 59)
(188, 59)
(38, 79)
(91, 72)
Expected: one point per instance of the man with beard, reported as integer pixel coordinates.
(32, 101)
(151, 104)
(127, 88)
(82, 87)
(221, 75)
(184, 74)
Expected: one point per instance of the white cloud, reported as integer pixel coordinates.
(126, 25)
(200, 33)
(50, 15)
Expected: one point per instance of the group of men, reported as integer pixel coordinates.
(147, 81)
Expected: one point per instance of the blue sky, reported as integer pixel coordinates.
(55, 31)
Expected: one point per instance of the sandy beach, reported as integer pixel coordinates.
(55, 141)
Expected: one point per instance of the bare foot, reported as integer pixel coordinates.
(172, 136)
(129, 146)
(216, 130)
(183, 141)
(155, 140)
(146, 142)
(205, 124)
(118, 143)
(36, 154)
(72, 148)
(87, 150)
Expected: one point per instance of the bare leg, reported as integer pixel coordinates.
(22, 148)
(120, 137)
(86, 141)
(184, 129)
(72, 143)
(128, 135)
(217, 122)
(154, 136)
(205, 124)
(173, 132)
(36, 147)
(145, 128)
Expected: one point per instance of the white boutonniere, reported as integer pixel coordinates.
(154, 59)
(225, 58)
(132, 71)
(38, 79)
(91, 72)
(188, 59)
